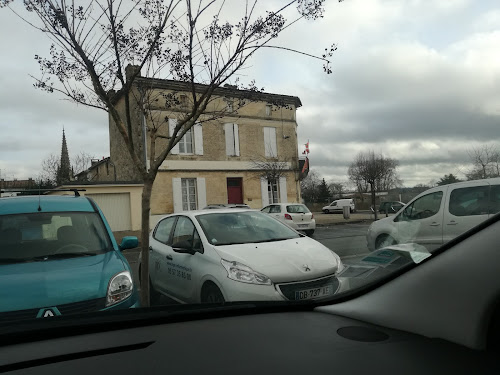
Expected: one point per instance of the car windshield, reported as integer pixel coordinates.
(43, 236)
(243, 228)
(178, 153)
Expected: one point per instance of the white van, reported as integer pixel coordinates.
(438, 215)
(338, 206)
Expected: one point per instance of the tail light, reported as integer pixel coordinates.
(288, 217)
(312, 215)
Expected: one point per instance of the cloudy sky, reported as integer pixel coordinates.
(418, 80)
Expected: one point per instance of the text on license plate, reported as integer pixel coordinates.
(302, 225)
(322, 291)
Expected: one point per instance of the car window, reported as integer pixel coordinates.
(266, 209)
(164, 230)
(423, 207)
(297, 209)
(184, 230)
(275, 209)
(470, 201)
(494, 199)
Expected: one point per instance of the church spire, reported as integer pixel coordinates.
(64, 171)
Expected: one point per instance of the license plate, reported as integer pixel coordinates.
(322, 291)
(302, 225)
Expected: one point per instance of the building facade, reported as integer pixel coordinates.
(243, 149)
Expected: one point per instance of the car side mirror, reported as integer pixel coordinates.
(183, 247)
(129, 242)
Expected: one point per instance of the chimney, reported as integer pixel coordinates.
(130, 70)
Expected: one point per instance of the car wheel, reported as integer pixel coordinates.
(384, 240)
(211, 294)
(309, 232)
(325, 211)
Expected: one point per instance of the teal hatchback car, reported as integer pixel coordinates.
(58, 256)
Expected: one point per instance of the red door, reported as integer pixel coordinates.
(234, 190)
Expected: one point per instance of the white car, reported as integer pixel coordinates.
(338, 206)
(438, 215)
(295, 215)
(238, 255)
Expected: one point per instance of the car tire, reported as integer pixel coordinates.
(325, 211)
(384, 240)
(309, 232)
(210, 293)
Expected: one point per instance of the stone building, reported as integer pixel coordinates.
(225, 158)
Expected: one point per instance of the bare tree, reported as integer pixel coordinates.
(485, 161)
(272, 169)
(50, 166)
(187, 41)
(337, 189)
(375, 170)
(309, 187)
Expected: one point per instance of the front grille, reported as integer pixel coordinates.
(288, 289)
(81, 307)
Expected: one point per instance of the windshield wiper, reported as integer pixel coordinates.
(65, 255)
(273, 240)
(13, 260)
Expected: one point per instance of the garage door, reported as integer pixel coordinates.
(116, 208)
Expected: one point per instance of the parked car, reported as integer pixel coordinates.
(226, 205)
(238, 255)
(390, 207)
(338, 206)
(438, 215)
(295, 215)
(58, 256)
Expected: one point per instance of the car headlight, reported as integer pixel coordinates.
(120, 288)
(239, 272)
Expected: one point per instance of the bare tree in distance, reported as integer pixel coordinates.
(485, 161)
(50, 166)
(338, 189)
(187, 41)
(309, 187)
(372, 169)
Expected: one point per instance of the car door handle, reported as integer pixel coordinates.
(169, 257)
(434, 224)
(452, 223)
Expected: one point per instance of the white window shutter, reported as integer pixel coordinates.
(267, 150)
(264, 192)
(236, 140)
(228, 129)
(272, 136)
(283, 190)
(271, 149)
(202, 192)
(198, 139)
(177, 193)
(172, 122)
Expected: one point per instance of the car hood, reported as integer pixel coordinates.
(56, 282)
(284, 261)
